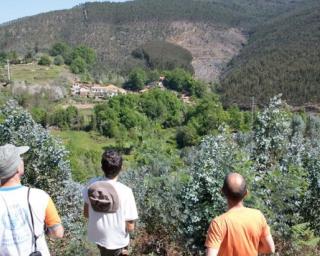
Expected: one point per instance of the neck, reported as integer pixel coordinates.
(234, 205)
(14, 181)
(115, 178)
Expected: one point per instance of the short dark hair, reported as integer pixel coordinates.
(111, 163)
(234, 193)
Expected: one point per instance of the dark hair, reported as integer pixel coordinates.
(111, 163)
(232, 192)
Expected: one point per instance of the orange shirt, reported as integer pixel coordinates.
(237, 232)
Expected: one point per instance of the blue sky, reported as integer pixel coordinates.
(13, 9)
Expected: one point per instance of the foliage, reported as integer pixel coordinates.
(137, 79)
(202, 119)
(84, 52)
(271, 133)
(164, 56)
(163, 106)
(46, 164)
(123, 113)
(281, 57)
(60, 48)
(78, 65)
(58, 60)
(39, 115)
(80, 58)
(182, 81)
(132, 24)
(202, 198)
(85, 152)
(279, 160)
(66, 118)
(44, 60)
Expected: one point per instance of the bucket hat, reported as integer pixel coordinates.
(103, 197)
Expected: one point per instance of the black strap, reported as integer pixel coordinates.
(34, 235)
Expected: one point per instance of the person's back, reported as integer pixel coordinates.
(109, 230)
(16, 234)
(240, 230)
(24, 212)
(110, 208)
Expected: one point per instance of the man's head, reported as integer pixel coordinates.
(111, 163)
(234, 187)
(10, 160)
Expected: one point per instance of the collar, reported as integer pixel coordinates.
(10, 188)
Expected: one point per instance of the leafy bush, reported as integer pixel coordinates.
(182, 81)
(45, 60)
(137, 79)
(279, 160)
(58, 60)
(78, 65)
(46, 164)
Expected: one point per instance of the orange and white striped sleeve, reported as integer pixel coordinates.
(52, 218)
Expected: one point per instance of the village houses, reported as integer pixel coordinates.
(95, 90)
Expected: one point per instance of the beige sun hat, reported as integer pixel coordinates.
(103, 197)
(10, 159)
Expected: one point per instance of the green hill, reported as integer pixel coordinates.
(114, 30)
(282, 56)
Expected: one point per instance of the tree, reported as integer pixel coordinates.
(182, 81)
(86, 53)
(39, 115)
(60, 48)
(29, 57)
(137, 79)
(58, 60)
(78, 65)
(45, 60)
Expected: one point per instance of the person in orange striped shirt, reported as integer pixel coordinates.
(241, 231)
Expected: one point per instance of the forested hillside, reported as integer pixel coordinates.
(282, 56)
(213, 31)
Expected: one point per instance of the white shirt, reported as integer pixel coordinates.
(109, 229)
(16, 236)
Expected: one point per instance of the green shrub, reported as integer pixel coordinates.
(45, 60)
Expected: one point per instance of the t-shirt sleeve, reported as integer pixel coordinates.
(215, 235)
(52, 217)
(131, 212)
(265, 231)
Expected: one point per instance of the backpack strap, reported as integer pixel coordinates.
(34, 235)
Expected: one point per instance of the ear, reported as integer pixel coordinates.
(247, 193)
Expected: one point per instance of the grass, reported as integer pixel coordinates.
(85, 152)
(33, 73)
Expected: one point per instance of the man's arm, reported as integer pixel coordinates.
(266, 245)
(215, 236)
(86, 210)
(53, 221)
(56, 231)
(130, 224)
(212, 252)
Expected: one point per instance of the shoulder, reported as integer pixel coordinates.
(220, 220)
(90, 182)
(93, 180)
(38, 192)
(39, 196)
(255, 212)
(122, 187)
